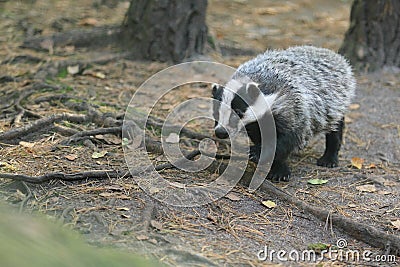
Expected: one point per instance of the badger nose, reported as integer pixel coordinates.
(221, 133)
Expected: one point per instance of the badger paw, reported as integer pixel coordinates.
(328, 161)
(280, 172)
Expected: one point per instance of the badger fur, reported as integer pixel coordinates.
(307, 90)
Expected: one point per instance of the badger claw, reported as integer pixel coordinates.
(328, 161)
(280, 172)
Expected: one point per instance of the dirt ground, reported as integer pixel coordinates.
(231, 231)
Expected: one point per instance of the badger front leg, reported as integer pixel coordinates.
(332, 146)
(280, 170)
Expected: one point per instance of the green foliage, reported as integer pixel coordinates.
(62, 73)
(36, 242)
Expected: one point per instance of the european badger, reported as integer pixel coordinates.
(308, 90)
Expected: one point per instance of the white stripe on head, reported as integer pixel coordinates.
(225, 108)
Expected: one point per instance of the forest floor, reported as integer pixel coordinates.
(232, 230)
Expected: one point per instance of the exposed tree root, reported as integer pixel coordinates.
(147, 214)
(359, 231)
(39, 124)
(95, 174)
(86, 134)
(100, 36)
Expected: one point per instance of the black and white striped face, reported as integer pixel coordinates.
(237, 105)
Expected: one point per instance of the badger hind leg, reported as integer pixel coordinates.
(333, 141)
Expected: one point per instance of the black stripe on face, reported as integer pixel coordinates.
(217, 92)
(241, 101)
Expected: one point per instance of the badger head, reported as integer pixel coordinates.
(237, 105)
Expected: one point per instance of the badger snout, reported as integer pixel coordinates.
(221, 132)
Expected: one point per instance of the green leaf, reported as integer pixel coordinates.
(318, 247)
(317, 181)
(125, 141)
(100, 154)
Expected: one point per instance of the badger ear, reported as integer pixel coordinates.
(252, 90)
(214, 87)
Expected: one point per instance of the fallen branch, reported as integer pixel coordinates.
(94, 175)
(85, 134)
(40, 124)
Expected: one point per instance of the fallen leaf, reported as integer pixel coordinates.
(232, 196)
(317, 181)
(48, 44)
(73, 69)
(123, 208)
(27, 144)
(157, 225)
(269, 204)
(153, 241)
(371, 166)
(99, 75)
(396, 223)
(7, 167)
(69, 48)
(100, 154)
(112, 139)
(125, 216)
(88, 22)
(99, 136)
(354, 106)
(352, 206)
(154, 190)
(348, 120)
(172, 138)
(106, 194)
(178, 185)
(71, 157)
(142, 237)
(389, 183)
(357, 162)
(369, 188)
(19, 195)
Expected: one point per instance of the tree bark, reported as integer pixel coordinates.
(373, 39)
(165, 30)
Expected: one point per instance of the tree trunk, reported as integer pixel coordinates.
(373, 39)
(165, 30)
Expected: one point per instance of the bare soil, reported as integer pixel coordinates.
(231, 231)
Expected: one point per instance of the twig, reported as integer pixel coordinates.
(81, 135)
(40, 124)
(147, 214)
(23, 203)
